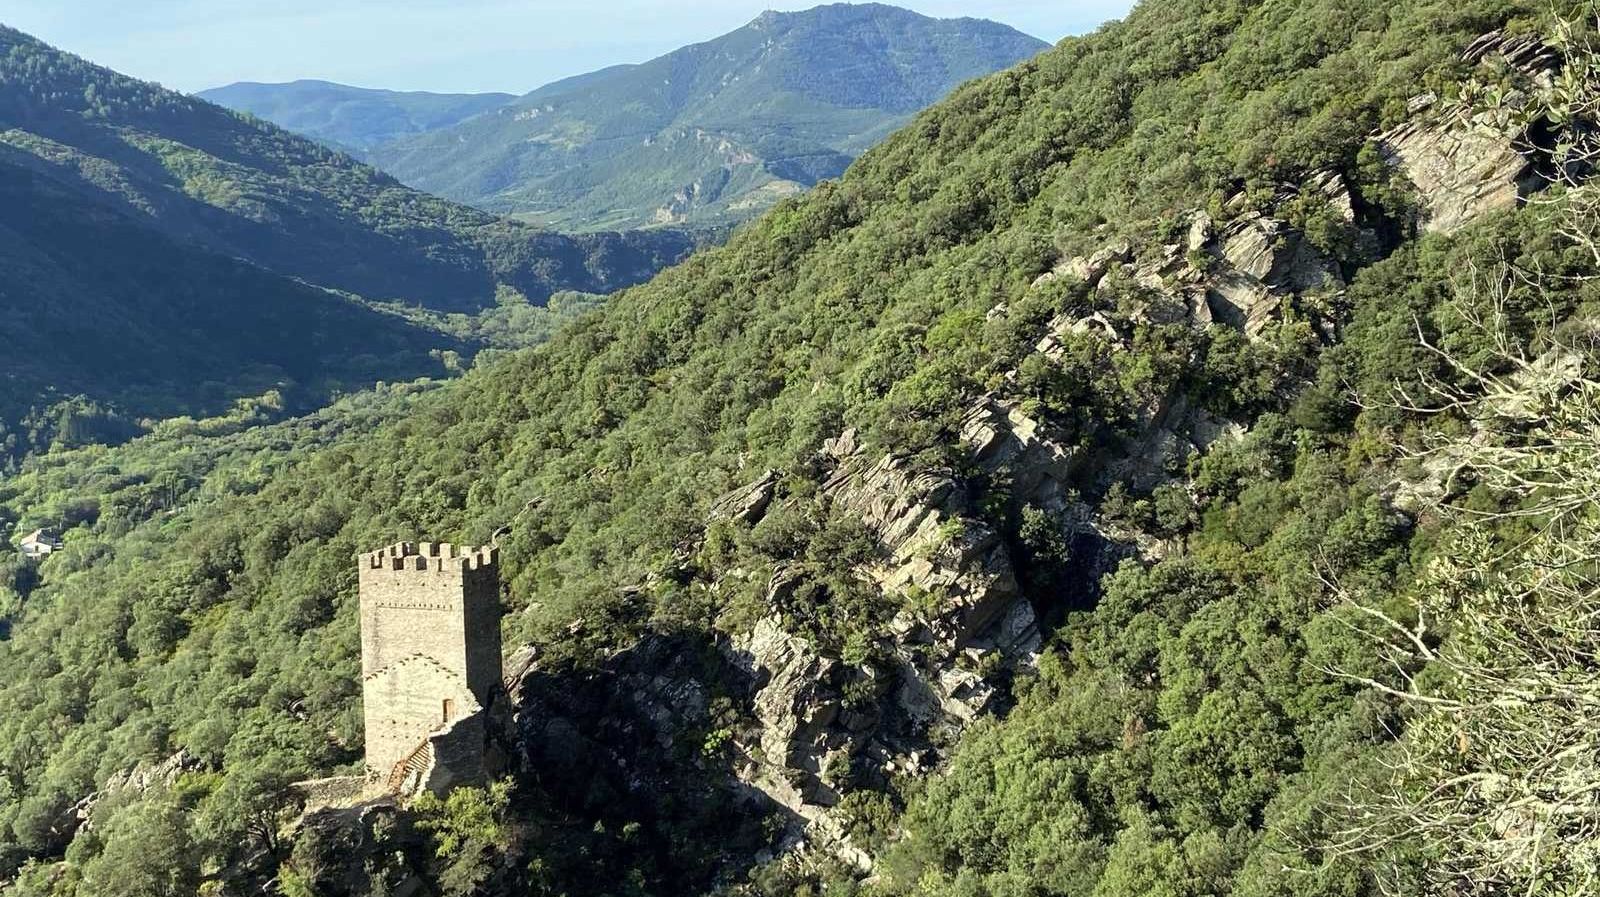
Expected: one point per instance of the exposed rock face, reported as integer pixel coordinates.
(823, 727)
(1177, 431)
(934, 546)
(139, 779)
(747, 504)
(1256, 263)
(1460, 172)
(1260, 262)
(798, 703)
(1463, 170)
(1000, 437)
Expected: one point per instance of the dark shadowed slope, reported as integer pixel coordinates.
(94, 302)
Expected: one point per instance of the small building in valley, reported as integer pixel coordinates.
(40, 544)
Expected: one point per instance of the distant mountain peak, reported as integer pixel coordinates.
(789, 99)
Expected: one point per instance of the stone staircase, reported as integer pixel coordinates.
(411, 772)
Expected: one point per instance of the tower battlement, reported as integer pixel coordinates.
(430, 648)
(435, 556)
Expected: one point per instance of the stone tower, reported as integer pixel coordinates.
(430, 663)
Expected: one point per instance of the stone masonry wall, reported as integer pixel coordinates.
(403, 704)
(430, 644)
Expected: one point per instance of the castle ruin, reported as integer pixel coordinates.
(430, 663)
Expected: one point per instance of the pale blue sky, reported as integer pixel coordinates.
(444, 45)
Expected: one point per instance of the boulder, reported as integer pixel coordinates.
(1460, 172)
(1091, 269)
(747, 504)
(1201, 228)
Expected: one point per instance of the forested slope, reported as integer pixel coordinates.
(162, 256)
(203, 175)
(1138, 307)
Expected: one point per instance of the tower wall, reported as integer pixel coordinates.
(430, 643)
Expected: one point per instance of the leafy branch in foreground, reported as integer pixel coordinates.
(1495, 786)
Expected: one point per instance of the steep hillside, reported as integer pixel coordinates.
(354, 119)
(713, 132)
(98, 305)
(989, 520)
(207, 177)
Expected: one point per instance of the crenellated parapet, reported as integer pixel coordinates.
(437, 557)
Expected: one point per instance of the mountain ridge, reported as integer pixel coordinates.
(713, 131)
(296, 243)
(354, 119)
(242, 186)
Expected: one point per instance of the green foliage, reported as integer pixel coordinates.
(145, 849)
(470, 832)
(206, 599)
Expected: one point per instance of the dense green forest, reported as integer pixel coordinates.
(1202, 720)
(715, 132)
(160, 256)
(203, 175)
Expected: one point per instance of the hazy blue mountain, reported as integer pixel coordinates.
(355, 119)
(711, 132)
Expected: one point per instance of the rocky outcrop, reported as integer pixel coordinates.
(138, 779)
(793, 754)
(1260, 263)
(748, 503)
(1460, 172)
(822, 727)
(1001, 437)
(1240, 272)
(1255, 264)
(1177, 431)
(1092, 269)
(934, 547)
(1464, 169)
